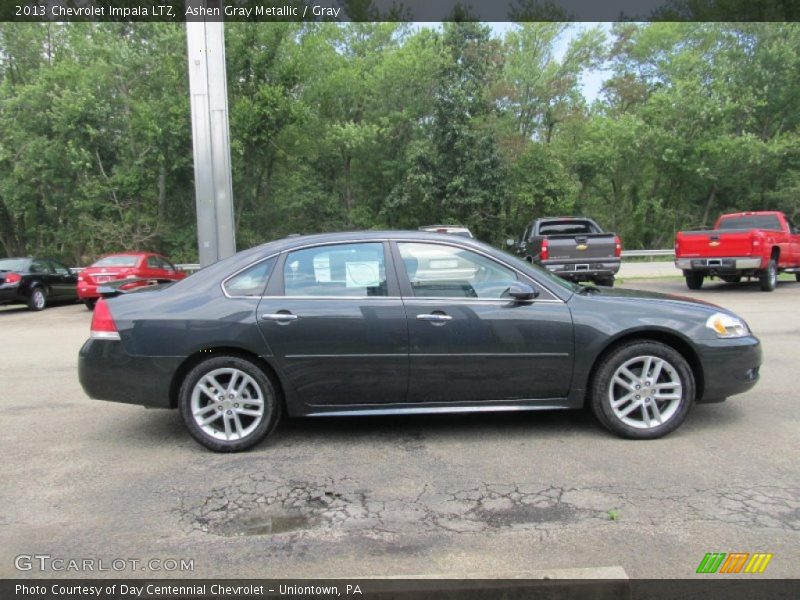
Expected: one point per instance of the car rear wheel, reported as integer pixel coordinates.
(38, 299)
(768, 278)
(643, 390)
(90, 303)
(228, 403)
(694, 280)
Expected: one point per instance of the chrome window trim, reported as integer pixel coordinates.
(252, 264)
(554, 297)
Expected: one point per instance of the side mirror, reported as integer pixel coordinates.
(522, 291)
(510, 242)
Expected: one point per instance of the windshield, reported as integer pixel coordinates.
(563, 283)
(14, 264)
(117, 261)
(751, 222)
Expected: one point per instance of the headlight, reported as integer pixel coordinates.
(727, 326)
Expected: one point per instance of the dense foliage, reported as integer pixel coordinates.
(377, 125)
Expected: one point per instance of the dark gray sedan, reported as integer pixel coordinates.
(406, 323)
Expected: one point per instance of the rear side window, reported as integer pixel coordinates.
(252, 281)
(355, 270)
(751, 222)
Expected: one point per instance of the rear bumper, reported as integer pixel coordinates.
(107, 372)
(721, 264)
(10, 294)
(579, 269)
(87, 291)
(730, 366)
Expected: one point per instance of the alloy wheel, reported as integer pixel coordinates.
(227, 404)
(645, 392)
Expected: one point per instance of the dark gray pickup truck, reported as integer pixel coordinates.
(574, 248)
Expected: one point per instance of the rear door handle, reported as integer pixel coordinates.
(281, 317)
(434, 317)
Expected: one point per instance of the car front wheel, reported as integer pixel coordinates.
(228, 403)
(643, 390)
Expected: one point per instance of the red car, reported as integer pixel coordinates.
(145, 267)
(748, 244)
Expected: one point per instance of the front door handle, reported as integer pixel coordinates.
(280, 317)
(435, 317)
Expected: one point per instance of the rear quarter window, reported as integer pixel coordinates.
(252, 281)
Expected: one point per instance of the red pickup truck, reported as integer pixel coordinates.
(747, 244)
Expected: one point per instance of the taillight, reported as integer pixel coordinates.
(13, 278)
(545, 253)
(617, 246)
(103, 326)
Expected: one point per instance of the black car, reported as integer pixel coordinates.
(36, 282)
(404, 323)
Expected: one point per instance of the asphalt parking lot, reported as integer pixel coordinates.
(457, 496)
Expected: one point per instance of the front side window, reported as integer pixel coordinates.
(355, 270)
(438, 271)
(252, 281)
(59, 268)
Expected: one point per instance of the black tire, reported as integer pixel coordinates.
(606, 281)
(731, 278)
(269, 391)
(601, 389)
(797, 276)
(90, 303)
(38, 299)
(768, 278)
(694, 279)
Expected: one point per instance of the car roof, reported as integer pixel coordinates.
(362, 236)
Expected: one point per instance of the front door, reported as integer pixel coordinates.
(469, 341)
(334, 320)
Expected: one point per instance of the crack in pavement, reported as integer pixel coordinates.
(258, 505)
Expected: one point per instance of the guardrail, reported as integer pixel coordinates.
(640, 253)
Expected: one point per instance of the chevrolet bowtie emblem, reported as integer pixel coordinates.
(713, 243)
(581, 247)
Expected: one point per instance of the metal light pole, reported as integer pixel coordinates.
(208, 88)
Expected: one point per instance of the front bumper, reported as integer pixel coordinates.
(722, 264)
(730, 366)
(107, 372)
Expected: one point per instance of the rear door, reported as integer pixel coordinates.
(333, 319)
(469, 341)
(64, 280)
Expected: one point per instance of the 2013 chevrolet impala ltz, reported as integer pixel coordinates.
(406, 322)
